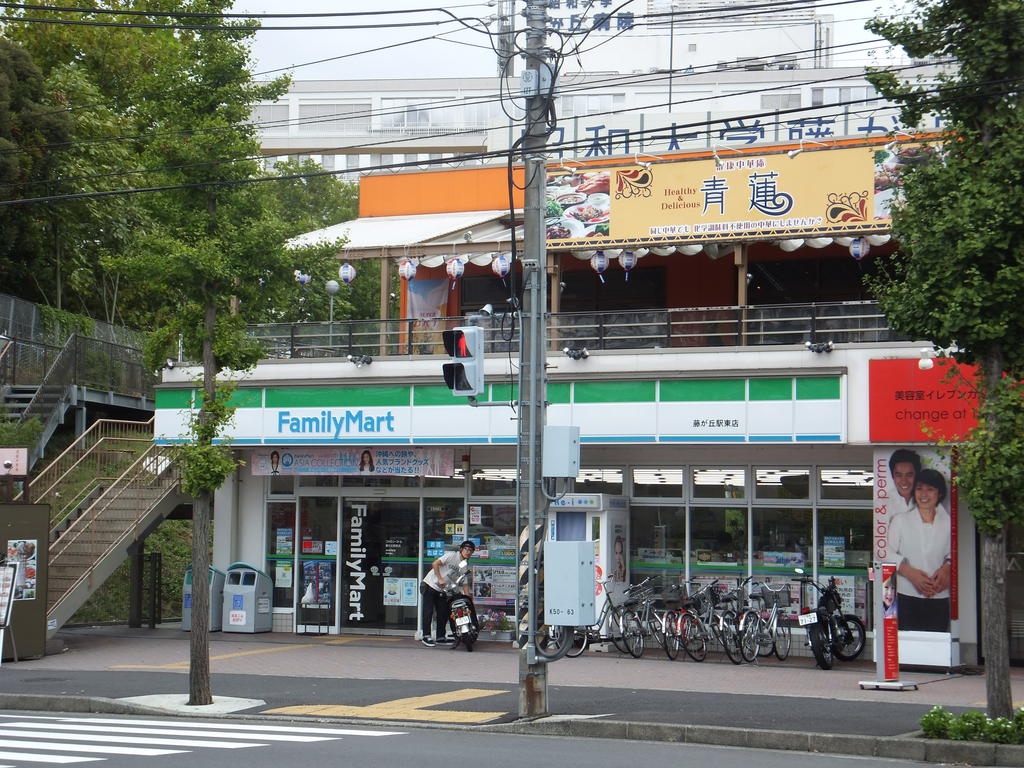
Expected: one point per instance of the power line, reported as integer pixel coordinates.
(972, 88)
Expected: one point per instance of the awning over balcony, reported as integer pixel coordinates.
(464, 233)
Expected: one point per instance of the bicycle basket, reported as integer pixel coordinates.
(775, 597)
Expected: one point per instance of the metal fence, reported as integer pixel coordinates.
(839, 322)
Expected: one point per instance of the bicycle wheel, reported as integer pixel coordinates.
(580, 641)
(747, 633)
(783, 640)
(616, 629)
(754, 623)
(849, 640)
(657, 626)
(671, 642)
(633, 634)
(729, 637)
(691, 634)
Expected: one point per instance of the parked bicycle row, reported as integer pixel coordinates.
(745, 621)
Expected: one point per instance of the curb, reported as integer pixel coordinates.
(895, 747)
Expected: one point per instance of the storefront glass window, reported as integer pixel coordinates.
(658, 543)
(844, 551)
(494, 565)
(318, 481)
(281, 551)
(845, 484)
(380, 481)
(492, 481)
(720, 483)
(718, 538)
(458, 480)
(282, 485)
(599, 481)
(658, 483)
(782, 484)
(781, 539)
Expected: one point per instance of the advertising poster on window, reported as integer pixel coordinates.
(8, 579)
(915, 511)
(23, 552)
(408, 462)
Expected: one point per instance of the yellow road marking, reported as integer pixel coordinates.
(276, 649)
(413, 708)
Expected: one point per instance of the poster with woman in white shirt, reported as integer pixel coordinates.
(917, 534)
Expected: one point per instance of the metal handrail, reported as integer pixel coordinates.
(96, 453)
(685, 327)
(124, 505)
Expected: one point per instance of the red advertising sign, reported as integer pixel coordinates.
(890, 624)
(906, 399)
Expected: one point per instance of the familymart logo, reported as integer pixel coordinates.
(336, 424)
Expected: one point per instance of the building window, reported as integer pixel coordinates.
(718, 537)
(281, 551)
(658, 482)
(271, 119)
(599, 481)
(780, 101)
(782, 484)
(720, 483)
(781, 539)
(334, 118)
(493, 481)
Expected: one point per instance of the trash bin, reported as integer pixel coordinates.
(216, 581)
(248, 593)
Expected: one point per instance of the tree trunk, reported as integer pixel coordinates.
(995, 640)
(200, 692)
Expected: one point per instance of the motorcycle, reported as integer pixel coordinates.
(831, 633)
(460, 609)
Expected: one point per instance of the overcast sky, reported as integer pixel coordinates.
(392, 53)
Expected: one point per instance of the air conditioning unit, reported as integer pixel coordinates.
(752, 64)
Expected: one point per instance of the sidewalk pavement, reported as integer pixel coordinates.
(375, 679)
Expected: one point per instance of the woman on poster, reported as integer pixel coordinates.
(920, 539)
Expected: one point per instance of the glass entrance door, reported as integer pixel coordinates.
(380, 570)
(317, 553)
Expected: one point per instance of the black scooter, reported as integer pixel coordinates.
(461, 609)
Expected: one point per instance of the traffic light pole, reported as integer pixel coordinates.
(532, 501)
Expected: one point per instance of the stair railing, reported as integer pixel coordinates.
(122, 508)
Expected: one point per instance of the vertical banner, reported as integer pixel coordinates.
(915, 529)
(890, 624)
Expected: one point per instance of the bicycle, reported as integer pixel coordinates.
(765, 624)
(703, 620)
(614, 617)
(650, 621)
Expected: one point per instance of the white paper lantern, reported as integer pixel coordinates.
(407, 269)
(599, 263)
(302, 278)
(859, 248)
(628, 260)
(347, 273)
(501, 265)
(455, 268)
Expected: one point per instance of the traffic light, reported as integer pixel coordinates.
(465, 374)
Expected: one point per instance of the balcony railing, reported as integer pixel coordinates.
(711, 327)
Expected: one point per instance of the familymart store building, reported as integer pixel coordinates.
(752, 463)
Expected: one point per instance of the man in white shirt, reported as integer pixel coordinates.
(443, 571)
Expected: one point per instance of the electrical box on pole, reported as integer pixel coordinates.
(569, 583)
(464, 375)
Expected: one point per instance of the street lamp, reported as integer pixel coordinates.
(332, 288)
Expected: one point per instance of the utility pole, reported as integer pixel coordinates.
(531, 507)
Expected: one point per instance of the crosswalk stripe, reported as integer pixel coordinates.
(105, 738)
(181, 730)
(88, 748)
(235, 726)
(30, 757)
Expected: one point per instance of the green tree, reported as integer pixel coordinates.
(30, 128)
(213, 258)
(959, 275)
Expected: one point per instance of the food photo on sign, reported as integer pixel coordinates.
(578, 204)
